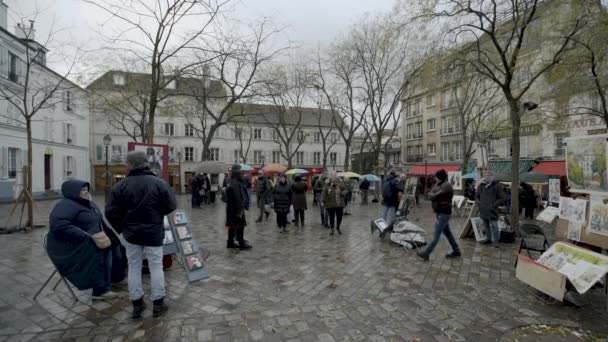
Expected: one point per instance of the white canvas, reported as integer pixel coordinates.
(478, 228)
(573, 210)
(455, 177)
(554, 190)
(548, 214)
(574, 231)
(586, 164)
(598, 217)
(458, 201)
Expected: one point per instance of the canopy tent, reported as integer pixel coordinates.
(471, 175)
(213, 167)
(296, 172)
(348, 175)
(551, 168)
(421, 170)
(533, 177)
(274, 168)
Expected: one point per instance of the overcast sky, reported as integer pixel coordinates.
(307, 22)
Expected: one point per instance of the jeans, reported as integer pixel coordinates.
(261, 205)
(135, 254)
(107, 275)
(335, 213)
(442, 226)
(364, 194)
(492, 233)
(196, 200)
(282, 219)
(392, 211)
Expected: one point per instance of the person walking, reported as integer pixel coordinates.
(299, 189)
(489, 196)
(70, 245)
(318, 191)
(263, 190)
(333, 200)
(195, 188)
(528, 200)
(282, 201)
(364, 189)
(441, 197)
(391, 191)
(136, 208)
(237, 201)
(205, 185)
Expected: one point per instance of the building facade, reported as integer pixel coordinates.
(252, 141)
(60, 145)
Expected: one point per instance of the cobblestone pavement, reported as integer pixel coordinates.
(302, 286)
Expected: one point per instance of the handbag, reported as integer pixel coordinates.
(101, 239)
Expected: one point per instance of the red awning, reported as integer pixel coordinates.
(551, 168)
(431, 169)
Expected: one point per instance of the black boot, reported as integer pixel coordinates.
(231, 235)
(240, 232)
(138, 308)
(454, 254)
(160, 308)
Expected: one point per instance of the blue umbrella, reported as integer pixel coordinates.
(371, 178)
(471, 175)
(245, 167)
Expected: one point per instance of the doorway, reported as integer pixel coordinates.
(47, 172)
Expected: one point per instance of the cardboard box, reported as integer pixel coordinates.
(540, 277)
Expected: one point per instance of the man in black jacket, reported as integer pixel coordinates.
(441, 196)
(237, 201)
(136, 209)
(364, 188)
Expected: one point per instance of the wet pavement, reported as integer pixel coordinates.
(301, 286)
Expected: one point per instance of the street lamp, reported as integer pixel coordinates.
(107, 140)
(179, 170)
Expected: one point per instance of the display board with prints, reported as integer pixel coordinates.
(179, 240)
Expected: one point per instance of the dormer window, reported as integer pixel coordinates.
(119, 80)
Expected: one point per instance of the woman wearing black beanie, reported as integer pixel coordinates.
(441, 196)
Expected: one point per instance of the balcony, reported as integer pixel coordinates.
(560, 152)
(414, 136)
(417, 158)
(450, 130)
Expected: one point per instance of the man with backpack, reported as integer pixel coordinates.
(263, 190)
(391, 193)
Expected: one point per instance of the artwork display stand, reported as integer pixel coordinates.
(189, 254)
(467, 230)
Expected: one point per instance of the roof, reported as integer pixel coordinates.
(254, 113)
(504, 167)
(431, 169)
(551, 168)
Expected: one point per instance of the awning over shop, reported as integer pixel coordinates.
(551, 168)
(422, 170)
(504, 167)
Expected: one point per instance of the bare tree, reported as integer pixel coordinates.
(496, 35)
(33, 89)
(325, 117)
(125, 111)
(243, 132)
(156, 34)
(231, 72)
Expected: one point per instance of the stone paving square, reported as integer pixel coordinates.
(301, 286)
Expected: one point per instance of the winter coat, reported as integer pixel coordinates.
(137, 206)
(364, 185)
(441, 197)
(319, 185)
(333, 195)
(72, 250)
(263, 190)
(393, 199)
(282, 197)
(235, 204)
(488, 198)
(299, 195)
(195, 185)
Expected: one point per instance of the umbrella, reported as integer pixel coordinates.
(348, 175)
(533, 177)
(212, 167)
(245, 167)
(471, 175)
(274, 168)
(371, 178)
(296, 172)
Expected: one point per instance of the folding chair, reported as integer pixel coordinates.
(530, 242)
(62, 278)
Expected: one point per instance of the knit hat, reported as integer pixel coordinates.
(441, 175)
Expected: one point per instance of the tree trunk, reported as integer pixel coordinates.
(207, 142)
(29, 188)
(466, 150)
(377, 150)
(153, 103)
(347, 157)
(516, 124)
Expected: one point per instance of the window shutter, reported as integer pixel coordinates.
(221, 154)
(4, 162)
(65, 166)
(64, 133)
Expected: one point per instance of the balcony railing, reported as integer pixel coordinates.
(414, 136)
(560, 152)
(451, 130)
(415, 158)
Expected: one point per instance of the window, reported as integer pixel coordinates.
(317, 137)
(301, 136)
(334, 137)
(431, 125)
(236, 156)
(431, 149)
(276, 157)
(68, 100)
(447, 99)
(300, 158)
(416, 108)
(119, 80)
(407, 109)
(13, 72)
(99, 152)
(168, 129)
(188, 130)
(429, 101)
(70, 134)
(492, 144)
(116, 155)
(12, 162)
(316, 158)
(560, 146)
(189, 153)
(418, 131)
(258, 157)
(214, 154)
(69, 167)
(257, 133)
(457, 150)
(410, 151)
(445, 151)
(523, 146)
(418, 150)
(275, 135)
(333, 158)
(409, 131)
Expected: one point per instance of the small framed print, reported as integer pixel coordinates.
(189, 247)
(166, 222)
(179, 217)
(195, 261)
(169, 239)
(184, 232)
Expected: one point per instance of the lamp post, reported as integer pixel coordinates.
(179, 171)
(107, 140)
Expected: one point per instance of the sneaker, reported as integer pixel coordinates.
(106, 296)
(454, 254)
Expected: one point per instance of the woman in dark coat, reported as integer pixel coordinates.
(282, 201)
(70, 245)
(299, 189)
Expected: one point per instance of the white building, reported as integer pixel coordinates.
(60, 146)
(181, 135)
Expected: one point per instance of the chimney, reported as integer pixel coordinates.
(24, 32)
(3, 15)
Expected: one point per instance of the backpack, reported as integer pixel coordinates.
(388, 189)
